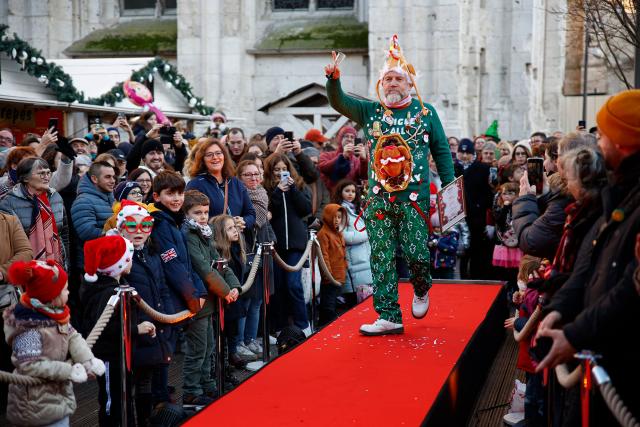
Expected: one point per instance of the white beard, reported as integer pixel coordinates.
(392, 98)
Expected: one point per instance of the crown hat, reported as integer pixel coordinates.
(397, 62)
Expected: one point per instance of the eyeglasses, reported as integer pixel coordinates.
(135, 193)
(44, 174)
(133, 226)
(143, 181)
(521, 154)
(214, 154)
(252, 175)
(6, 138)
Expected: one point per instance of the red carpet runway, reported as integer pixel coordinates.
(339, 377)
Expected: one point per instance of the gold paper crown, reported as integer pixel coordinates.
(397, 62)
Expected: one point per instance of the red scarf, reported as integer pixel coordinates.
(59, 314)
(43, 232)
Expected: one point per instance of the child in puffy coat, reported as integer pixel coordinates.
(334, 219)
(37, 328)
(347, 194)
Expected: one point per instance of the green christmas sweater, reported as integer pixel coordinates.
(423, 134)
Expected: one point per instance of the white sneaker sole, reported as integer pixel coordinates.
(419, 317)
(395, 331)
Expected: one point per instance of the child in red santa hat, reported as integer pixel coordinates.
(38, 330)
(106, 260)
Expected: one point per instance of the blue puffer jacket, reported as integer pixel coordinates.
(89, 212)
(238, 200)
(147, 277)
(358, 253)
(185, 285)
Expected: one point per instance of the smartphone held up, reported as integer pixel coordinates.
(535, 171)
(284, 176)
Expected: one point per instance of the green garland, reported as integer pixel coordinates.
(146, 74)
(53, 77)
(48, 73)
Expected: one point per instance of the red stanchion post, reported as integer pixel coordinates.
(266, 284)
(221, 265)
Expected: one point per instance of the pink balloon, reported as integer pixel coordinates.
(141, 96)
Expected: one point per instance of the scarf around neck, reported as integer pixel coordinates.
(43, 231)
(260, 201)
(59, 314)
(204, 229)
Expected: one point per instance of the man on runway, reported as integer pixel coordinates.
(400, 132)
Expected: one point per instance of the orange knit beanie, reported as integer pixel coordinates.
(619, 118)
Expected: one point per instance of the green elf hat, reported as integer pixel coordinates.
(492, 131)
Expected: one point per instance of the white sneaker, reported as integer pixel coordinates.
(382, 327)
(420, 306)
(272, 340)
(245, 353)
(513, 418)
(255, 347)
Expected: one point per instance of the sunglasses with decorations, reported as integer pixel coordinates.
(133, 226)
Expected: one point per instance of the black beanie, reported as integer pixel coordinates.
(151, 145)
(272, 133)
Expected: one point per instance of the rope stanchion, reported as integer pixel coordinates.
(323, 266)
(313, 256)
(169, 319)
(92, 338)
(298, 266)
(254, 270)
(607, 390)
(529, 326)
(102, 322)
(568, 379)
(616, 405)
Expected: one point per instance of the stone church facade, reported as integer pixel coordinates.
(261, 61)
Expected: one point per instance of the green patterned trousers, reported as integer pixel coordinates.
(389, 224)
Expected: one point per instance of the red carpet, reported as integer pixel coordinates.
(339, 377)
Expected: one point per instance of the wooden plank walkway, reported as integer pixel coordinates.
(493, 401)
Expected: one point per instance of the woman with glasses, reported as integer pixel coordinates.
(251, 177)
(143, 178)
(40, 210)
(212, 173)
(521, 152)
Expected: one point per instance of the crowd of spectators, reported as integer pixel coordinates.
(182, 202)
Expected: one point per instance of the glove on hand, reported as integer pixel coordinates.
(78, 373)
(63, 146)
(95, 366)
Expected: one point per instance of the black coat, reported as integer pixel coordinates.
(599, 302)
(478, 195)
(538, 222)
(147, 277)
(93, 298)
(288, 211)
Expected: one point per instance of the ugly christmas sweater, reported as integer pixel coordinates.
(422, 132)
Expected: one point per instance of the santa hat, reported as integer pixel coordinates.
(397, 62)
(43, 280)
(109, 255)
(130, 208)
